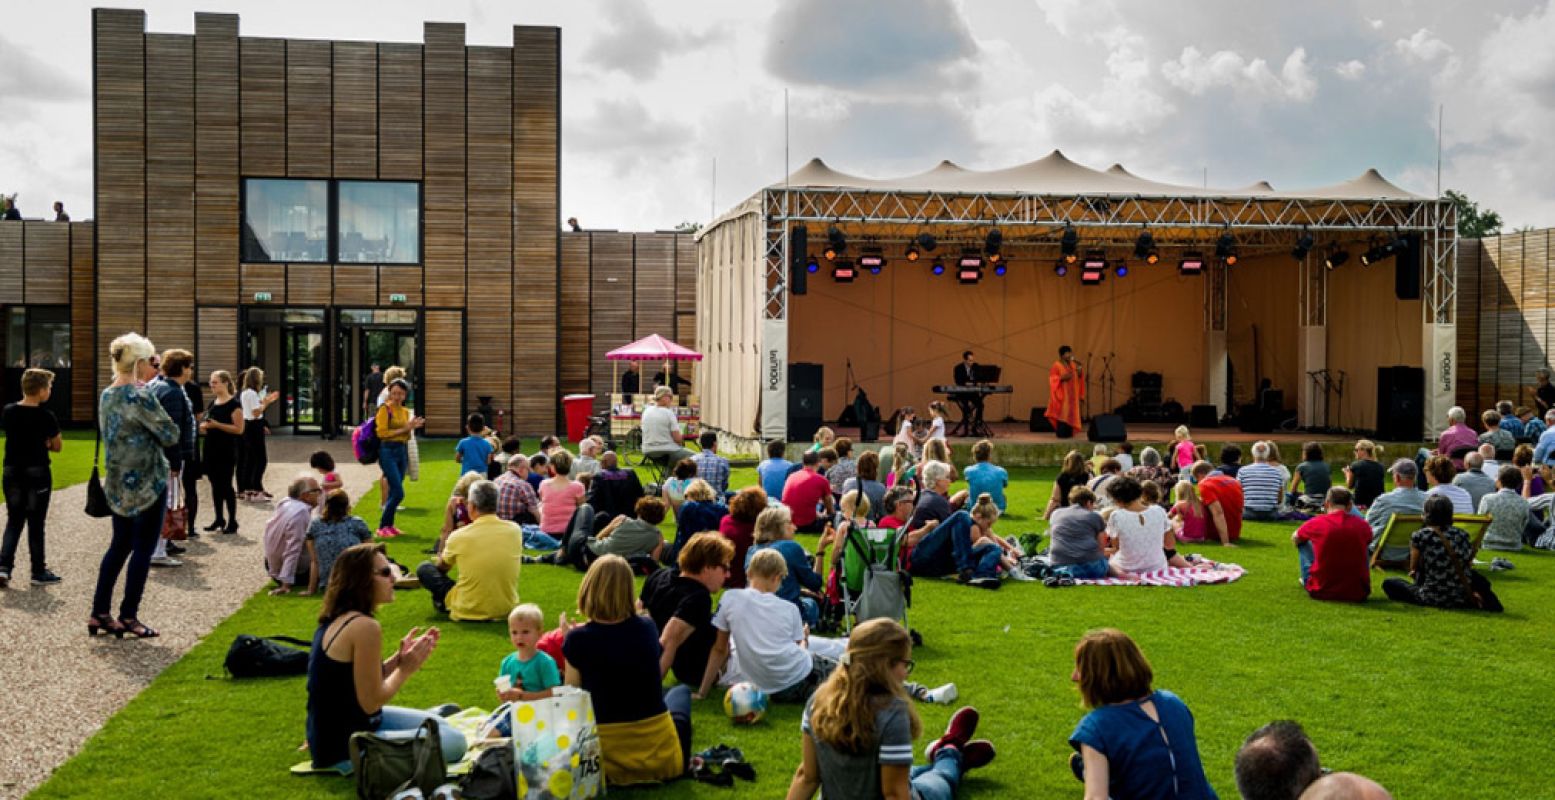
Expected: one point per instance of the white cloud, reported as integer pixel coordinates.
(637, 44)
(1375, 24)
(1350, 70)
(855, 45)
(1196, 74)
(1423, 46)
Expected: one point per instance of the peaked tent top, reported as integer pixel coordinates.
(653, 347)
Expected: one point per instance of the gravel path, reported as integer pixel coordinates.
(58, 685)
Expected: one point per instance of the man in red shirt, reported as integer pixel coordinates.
(1333, 548)
(1222, 498)
(806, 489)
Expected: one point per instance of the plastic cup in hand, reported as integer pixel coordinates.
(503, 683)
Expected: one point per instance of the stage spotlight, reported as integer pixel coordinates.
(872, 259)
(1060, 268)
(1121, 269)
(939, 266)
(969, 269)
(1001, 268)
(927, 242)
(1383, 250)
(836, 243)
(843, 272)
(1069, 245)
(992, 243)
(1225, 249)
(912, 252)
(1144, 247)
(1303, 246)
(1335, 257)
(1192, 263)
(812, 266)
(1094, 268)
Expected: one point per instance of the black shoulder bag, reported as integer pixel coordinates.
(1477, 586)
(96, 498)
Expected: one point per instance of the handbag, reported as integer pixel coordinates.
(175, 521)
(1476, 585)
(385, 767)
(97, 499)
(556, 744)
(413, 471)
(261, 657)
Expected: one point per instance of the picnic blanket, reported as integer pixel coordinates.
(1176, 576)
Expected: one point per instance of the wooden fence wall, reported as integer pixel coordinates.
(51, 264)
(1505, 322)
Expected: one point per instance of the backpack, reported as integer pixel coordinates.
(256, 657)
(492, 776)
(386, 767)
(364, 441)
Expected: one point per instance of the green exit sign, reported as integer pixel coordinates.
(397, 298)
(261, 297)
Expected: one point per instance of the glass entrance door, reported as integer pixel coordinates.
(288, 344)
(369, 337)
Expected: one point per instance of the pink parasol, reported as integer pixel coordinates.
(653, 348)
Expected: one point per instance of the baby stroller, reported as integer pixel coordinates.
(867, 578)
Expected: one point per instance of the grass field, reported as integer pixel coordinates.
(1430, 703)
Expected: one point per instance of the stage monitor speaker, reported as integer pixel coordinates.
(1204, 417)
(1039, 420)
(869, 431)
(1252, 419)
(798, 259)
(1400, 403)
(1406, 269)
(1107, 428)
(804, 401)
(1272, 401)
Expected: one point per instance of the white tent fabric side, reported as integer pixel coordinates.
(730, 283)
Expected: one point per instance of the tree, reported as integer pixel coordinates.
(688, 227)
(1473, 223)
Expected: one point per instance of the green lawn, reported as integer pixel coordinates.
(1432, 704)
(73, 464)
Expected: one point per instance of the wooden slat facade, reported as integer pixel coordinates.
(218, 343)
(399, 111)
(356, 285)
(263, 111)
(576, 316)
(489, 266)
(443, 187)
(12, 262)
(216, 95)
(120, 106)
(46, 250)
(612, 305)
(355, 102)
(169, 188)
(309, 121)
(444, 372)
(309, 284)
(536, 125)
(83, 320)
(1504, 317)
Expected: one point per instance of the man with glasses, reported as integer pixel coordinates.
(285, 532)
(680, 601)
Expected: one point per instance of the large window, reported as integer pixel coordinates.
(38, 336)
(360, 222)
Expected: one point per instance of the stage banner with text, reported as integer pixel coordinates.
(774, 379)
(1441, 373)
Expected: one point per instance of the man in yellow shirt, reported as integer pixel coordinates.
(487, 552)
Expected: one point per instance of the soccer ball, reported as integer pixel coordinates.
(745, 703)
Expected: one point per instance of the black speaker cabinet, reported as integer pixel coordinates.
(869, 431)
(1400, 403)
(1204, 417)
(1107, 428)
(1406, 271)
(804, 401)
(799, 259)
(1039, 420)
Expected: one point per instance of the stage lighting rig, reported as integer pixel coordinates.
(843, 271)
(1336, 257)
(872, 259)
(939, 266)
(969, 269)
(836, 243)
(1069, 245)
(1120, 268)
(1225, 248)
(1094, 268)
(920, 244)
(1303, 245)
(991, 245)
(812, 266)
(1144, 248)
(1192, 263)
(1060, 268)
(1383, 250)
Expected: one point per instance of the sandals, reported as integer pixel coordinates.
(1057, 581)
(104, 623)
(137, 629)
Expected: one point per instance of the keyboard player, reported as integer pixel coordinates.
(971, 403)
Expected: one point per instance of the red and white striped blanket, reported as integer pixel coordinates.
(1176, 576)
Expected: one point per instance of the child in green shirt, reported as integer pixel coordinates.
(528, 673)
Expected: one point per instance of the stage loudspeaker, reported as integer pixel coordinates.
(1204, 417)
(1406, 269)
(869, 431)
(1400, 403)
(1252, 419)
(1039, 420)
(1107, 428)
(798, 260)
(804, 401)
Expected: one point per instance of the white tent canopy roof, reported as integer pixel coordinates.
(1055, 175)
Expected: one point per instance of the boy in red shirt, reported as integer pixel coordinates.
(1333, 551)
(1222, 498)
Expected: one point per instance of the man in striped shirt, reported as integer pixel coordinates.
(1260, 486)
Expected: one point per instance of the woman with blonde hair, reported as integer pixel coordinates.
(701, 511)
(1136, 741)
(644, 731)
(135, 428)
(775, 530)
(223, 429)
(859, 727)
(824, 437)
(1365, 476)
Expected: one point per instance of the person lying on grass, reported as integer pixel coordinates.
(331, 534)
(773, 644)
(349, 687)
(628, 537)
(1136, 741)
(858, 728)
(526, 673)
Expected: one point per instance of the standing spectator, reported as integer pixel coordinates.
(1136, 741)
(134, 430)
(1440, 560)
(739, 527)
(773, 470)
(868, 474)
(223, 429)
(662, 439)
(1222, 498)
(1438, 475)
(1508, 512)
(332, 533)
(1277, 762)
(1365, 476)
(1333, 549)
(175, 369)
(679, 599)
(845, 468)
(487, 553)
(59, 212)
(517, 500)
(1261, 488)
(805, 491)
(371, 387)
(1494, 435)
(1543, 391)
(286, 533)
(194, 469)
(644, 731)
(31, 433)
(253, 458)
(474, 450)
(396, 424)
(986, 477)
(1404, 499)
(1474, 480)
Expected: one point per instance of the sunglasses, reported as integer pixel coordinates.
(910, 664)
(384, 572)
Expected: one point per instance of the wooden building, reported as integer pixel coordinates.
(1506, 328)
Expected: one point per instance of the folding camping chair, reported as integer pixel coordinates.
(873, 582)
(1392, 550)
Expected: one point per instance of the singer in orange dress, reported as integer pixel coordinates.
(1066, 385)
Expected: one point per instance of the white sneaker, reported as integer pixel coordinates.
(165, 561)
(1020, 575)
(944, 695)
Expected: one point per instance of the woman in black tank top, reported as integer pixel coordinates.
(337, 706)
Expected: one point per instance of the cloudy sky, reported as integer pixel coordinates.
(654, 93)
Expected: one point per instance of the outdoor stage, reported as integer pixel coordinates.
(1016, 445)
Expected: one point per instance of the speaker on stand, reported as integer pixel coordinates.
(804, 401)
(1400, 403)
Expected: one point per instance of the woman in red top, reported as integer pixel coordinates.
(740, 527)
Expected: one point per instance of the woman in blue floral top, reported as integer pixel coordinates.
(134, 431)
